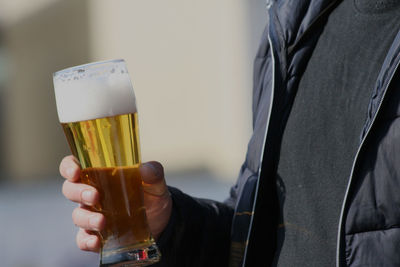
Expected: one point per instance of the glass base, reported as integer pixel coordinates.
(132, 257)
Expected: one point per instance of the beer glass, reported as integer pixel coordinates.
(97, 109)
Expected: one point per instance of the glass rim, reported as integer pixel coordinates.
(86, 66)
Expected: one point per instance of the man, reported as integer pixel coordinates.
(320, 184)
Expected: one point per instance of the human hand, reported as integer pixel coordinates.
(157, 201)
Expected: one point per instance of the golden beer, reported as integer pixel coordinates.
(103, 135)
(105, 142)
(122, 207)
(102, 146)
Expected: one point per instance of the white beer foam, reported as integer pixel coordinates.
(96, 90)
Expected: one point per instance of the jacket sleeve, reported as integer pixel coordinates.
(198, 233)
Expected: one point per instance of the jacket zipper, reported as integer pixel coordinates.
(263, 147)
(269, 3)
(339, 237)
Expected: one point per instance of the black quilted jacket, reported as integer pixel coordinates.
(240, 231)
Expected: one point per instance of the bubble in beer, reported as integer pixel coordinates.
(92, 91)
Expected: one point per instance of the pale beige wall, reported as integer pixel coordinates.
(13, 11)
(190, 63)
(37, 45)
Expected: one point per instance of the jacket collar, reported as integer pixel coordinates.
(298, 16)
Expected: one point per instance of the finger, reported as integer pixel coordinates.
(87, 241)
(80, 193)
(152, 174)
(70, 169)
(88, 220)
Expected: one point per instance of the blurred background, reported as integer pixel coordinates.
(191, 67)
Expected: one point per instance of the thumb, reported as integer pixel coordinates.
(152, 174)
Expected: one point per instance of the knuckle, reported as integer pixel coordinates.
(68, 190)
(63, 164)
(86, 241)
(158, 168)
(158, 165)
(81, 244)
(76, 216)
(88, 220)
(75, 192)
(78, 240)
(64, 189)
(69, 168)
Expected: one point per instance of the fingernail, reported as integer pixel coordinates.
(155, 170)
(70, 171)
(88, 197)
(91, 242)
(94, 222)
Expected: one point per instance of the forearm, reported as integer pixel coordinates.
(198, 233)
